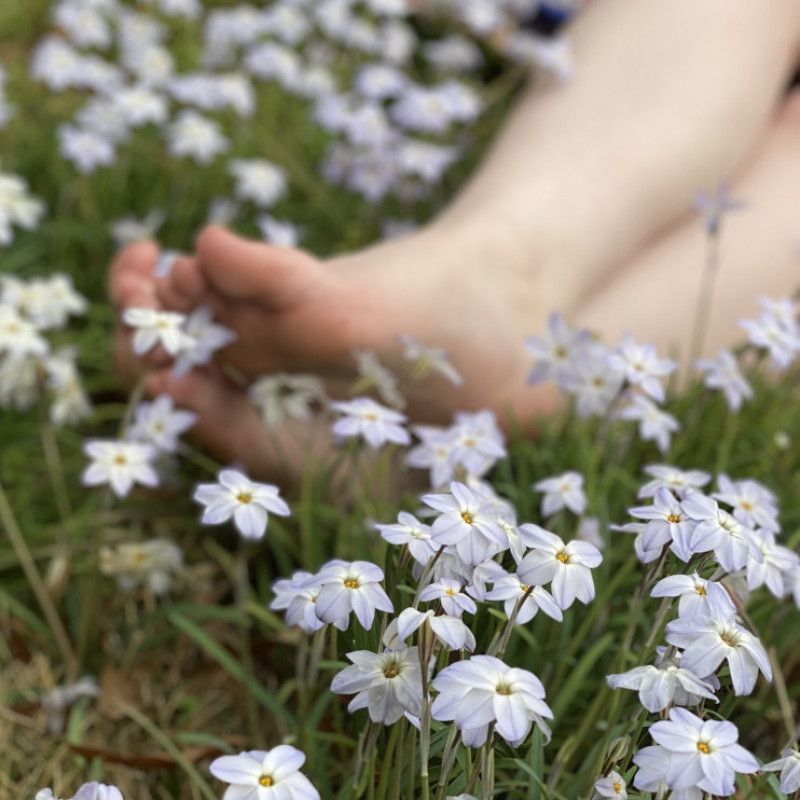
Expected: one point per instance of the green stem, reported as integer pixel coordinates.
(9, 522)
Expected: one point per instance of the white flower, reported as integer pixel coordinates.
(157, 327)
(768, 563)
(129, 229)
(641, 366)
(370, 420)
(776, 331)
(236, 496)
(679, 482)
(205, 337)
(612, 785)
(17, 206)
(298, 596)
(654, 424)
(97, 791)
(478, 442)
(753, 505)
(119, 464)
(698, 597)
(453, 631)
(789, 766)
(448, 592)
(653, 763)
(703, 754)
(160, 424)
(663, 685)
(482, 690)
(197, 137)
(408, 530)
(152, 564)
(18, 337)
(568, 566)
(556, 352)
(87, 150)
(562, 491)
(717, 530)
(433, 453)
(667, 522)
(264, 775)
(372, 374)
(723, 373)
(278, 232)
(511, 589)
(350, 587)
(465, 524)
(258, 180)
(286, 395)
(707, 642)
(387, 684)
(426, 359)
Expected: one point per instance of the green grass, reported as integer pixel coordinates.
(200, 674)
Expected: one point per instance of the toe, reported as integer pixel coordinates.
(246, 270)
(183, 288)
(130, 279)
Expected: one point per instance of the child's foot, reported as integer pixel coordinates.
(294, 313)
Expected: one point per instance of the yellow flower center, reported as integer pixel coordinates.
(503, 689)
(674, 518)
(467, 517)
(120, 460)
(746, 505)
(265, 780)
(704, 748)
(392, 670)
(701, 590)
(562, 556)
(351, 583)
(617, 787)
(244, 497)
(450, 592)
(730, 638)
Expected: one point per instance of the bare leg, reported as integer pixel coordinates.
(653, 295)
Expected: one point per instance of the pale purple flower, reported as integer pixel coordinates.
(768, 563)
(387, 684)
(511, 589)
(679, 482)
(612, 785)
(717, 530)
(434, 453)
(478, 442)
(709, 641)
(482, 690)
(723, 373)
(160, 424)
(465, 525)
(365, 418)
(703, 754)
(449, 594)
(753, 505)
(789, 767)
(412, 533)
(566, 566)
(698, 597)
(426, 359)
(562, 491)
(452, 631)
(641, 366)
(713, 206)
(351, 587)
(667, 523)
(654, 423)
(556, 350)
(264, 775)
(236, 497)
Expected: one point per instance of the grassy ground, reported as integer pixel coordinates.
(210, 670)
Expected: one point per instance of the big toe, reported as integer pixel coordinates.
(243, 269)
(130, 278)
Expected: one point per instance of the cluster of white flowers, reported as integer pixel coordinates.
(692, 755)
(89, 791)
(29, 367)
(17, 205)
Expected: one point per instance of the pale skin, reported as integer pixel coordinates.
(583, 205)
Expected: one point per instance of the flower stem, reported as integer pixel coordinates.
(12, 529)
(705, 298)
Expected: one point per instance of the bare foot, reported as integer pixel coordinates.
(292, 312)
